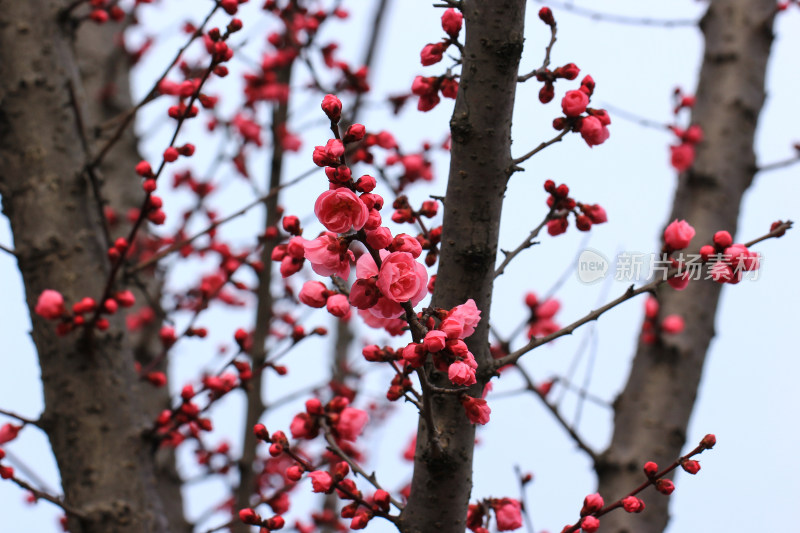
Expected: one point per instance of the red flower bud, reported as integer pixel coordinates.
(665, 486)
(547, 16)
(691, 466)
(650, 469)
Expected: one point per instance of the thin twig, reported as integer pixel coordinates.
(779, 164)
(354, 466)
(152, 94)
(552, 408)
(524, 245)
(619, 19)
(8, 250)
(94, 181)
(525, 511)
(633, 117)
(50, 498)
(258, 201)
(539, 148)
(546, 61)
(650, 481)
(22, 419)
(630, 293)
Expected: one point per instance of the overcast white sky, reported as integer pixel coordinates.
(748, 396)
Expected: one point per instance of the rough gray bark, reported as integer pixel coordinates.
(480, 166)
(652, 412)
(93, 415)
(104, 72)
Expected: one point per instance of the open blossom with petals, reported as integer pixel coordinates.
(508, 513)
(460, 373)
(327, 256)
(351, 423)
(467, 316)
(401, 278)
(593, 131)
(321, 481)
(50, 305)
(340, 209)
(574, 103)
(477, 409)
(678, 234)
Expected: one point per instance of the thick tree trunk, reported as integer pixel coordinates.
(105, 69)
(652, 413)
(93, 414)
(480, 166)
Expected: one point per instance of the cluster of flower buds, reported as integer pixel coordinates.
(389, 275)
(593, 125)
(169, 422)
(507, 513)
(250, 517)
(345, 422)
(682, 154)
(50, 306)
(541, 323)
(728, 260)
(671, 324)
(428, 88)
(6, 472)
(104, 10)
(561, 205)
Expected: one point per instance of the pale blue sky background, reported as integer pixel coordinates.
(748, 395)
